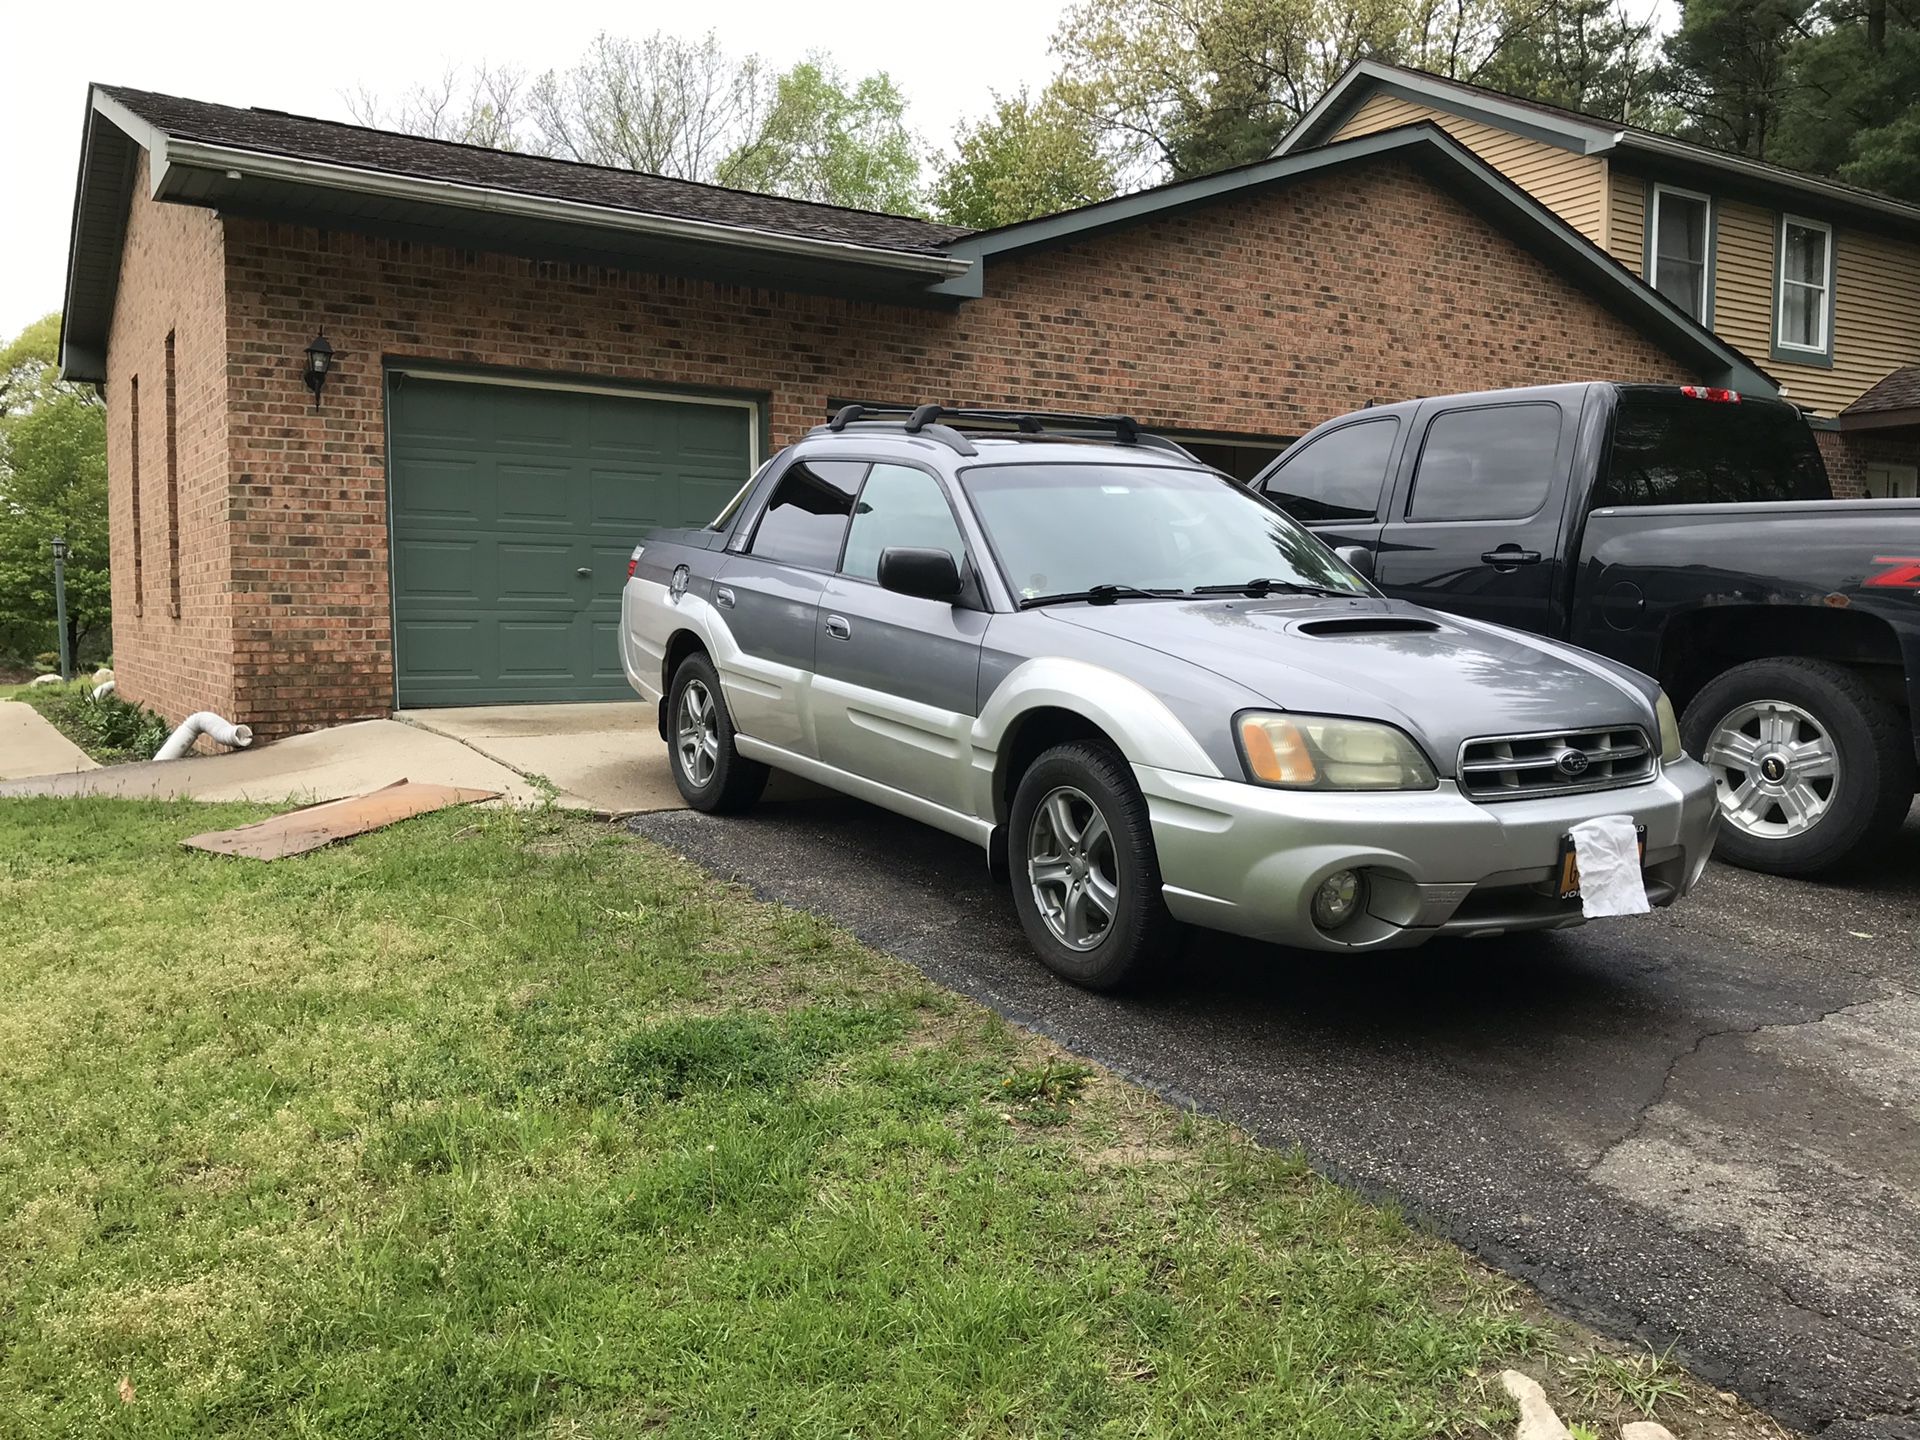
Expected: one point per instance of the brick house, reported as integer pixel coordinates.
(535, 361)
(1821, 278)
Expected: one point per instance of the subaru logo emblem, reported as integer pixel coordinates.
(1571, 763)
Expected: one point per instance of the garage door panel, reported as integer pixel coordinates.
(541, 575)
(439, 571)
(446, 651)
(500, 496)
(527, 495)
(442, 490)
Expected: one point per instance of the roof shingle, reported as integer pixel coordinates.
(1899, 390)
(332, 142)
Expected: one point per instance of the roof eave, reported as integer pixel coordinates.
(203, 174)
(1681, 152)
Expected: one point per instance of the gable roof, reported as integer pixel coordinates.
(1453, 167)
(1583, 135)
(264, 163)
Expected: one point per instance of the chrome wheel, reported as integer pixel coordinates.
(697, 736)
(1775, 767)
(1071, 867)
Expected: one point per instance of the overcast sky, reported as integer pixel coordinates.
(303, 56)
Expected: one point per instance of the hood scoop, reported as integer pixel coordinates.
(1368, 625)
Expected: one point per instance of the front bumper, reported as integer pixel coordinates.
(1247, 859)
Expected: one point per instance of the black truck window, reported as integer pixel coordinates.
(1673, 449)
(1339, 476)
(1493, 462)
(807, 517)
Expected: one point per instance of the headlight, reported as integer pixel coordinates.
(1321, 752)
(1669, 730)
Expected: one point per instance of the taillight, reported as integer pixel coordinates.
(1710, 392)
(633, 561)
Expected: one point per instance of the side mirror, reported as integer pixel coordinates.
(929, 574)
(1358, 557)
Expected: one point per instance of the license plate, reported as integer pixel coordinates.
(1569, 867)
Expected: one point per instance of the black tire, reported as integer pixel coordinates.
(1863, 805)
(733, 783)
(1139, 932)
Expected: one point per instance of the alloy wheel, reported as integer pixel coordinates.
(697, 737)
(1071, 867)
(1775, 767)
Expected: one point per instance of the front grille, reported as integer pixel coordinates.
(1519, 767)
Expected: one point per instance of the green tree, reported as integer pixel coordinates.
(1027, 158)
(53, 481)
(1854, 108)
(828, 139)
(1728, 70)
(1593, 56)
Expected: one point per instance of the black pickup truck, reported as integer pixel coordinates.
(1687, 531)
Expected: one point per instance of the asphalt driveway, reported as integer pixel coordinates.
(1701, 1128)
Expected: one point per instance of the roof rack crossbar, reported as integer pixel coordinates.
(916, 418)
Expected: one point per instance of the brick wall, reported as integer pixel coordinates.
(1262, 315)
(1848, 455)
(170, 610)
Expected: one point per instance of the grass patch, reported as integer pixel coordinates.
(110, 730)
(496, 1123)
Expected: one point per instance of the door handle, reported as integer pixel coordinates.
(1510, 557)
(584, 571)
(838, 628)
(723, 596)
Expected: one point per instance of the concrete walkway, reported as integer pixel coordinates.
(603, 757)
(321, 765)
(29, 745)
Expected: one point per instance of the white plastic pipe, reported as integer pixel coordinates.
(103, 689)
(204, 722)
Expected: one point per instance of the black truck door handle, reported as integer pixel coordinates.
(1510, 557)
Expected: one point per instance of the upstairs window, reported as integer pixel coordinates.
(1679, 248)
(1804, 323)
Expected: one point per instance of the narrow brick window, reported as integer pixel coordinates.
(173, 490)
(133, 470)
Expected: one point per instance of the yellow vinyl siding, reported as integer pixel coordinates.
(1876, 305)
(1627, 228)
(1572, 186)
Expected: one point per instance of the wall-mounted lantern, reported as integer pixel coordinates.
(320, 358)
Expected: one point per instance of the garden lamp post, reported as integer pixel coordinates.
(60, 603)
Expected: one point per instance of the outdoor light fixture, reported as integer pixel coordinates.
(59, 547)
(320, 356)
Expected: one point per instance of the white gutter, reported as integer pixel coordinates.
(1763, 173)
(180, 154)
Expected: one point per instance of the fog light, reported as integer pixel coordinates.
(1341, 896)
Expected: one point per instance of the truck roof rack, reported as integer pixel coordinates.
(931, 420)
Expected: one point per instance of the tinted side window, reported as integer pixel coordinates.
(1339, 476)
(1492, 463)
(1674, 450)
(806, 518)
(899, 505)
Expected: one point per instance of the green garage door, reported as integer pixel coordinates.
(514, 509)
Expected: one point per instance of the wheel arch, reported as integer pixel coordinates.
(1700, 644)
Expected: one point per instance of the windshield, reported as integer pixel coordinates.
(1065, 528)
(1672, 449)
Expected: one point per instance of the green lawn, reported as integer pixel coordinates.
(495, 1123)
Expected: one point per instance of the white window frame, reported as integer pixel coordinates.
(1705, 314)
(1824, 347)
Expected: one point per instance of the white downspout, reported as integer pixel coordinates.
(204, 722)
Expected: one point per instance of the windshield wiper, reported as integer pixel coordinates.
(1263, 585)
(1098, 595)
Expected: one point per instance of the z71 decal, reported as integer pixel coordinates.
(1905, 574)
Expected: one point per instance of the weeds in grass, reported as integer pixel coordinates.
(1045, 1091)
(1641, 1383)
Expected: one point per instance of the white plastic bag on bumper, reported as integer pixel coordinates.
(1608, 850)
